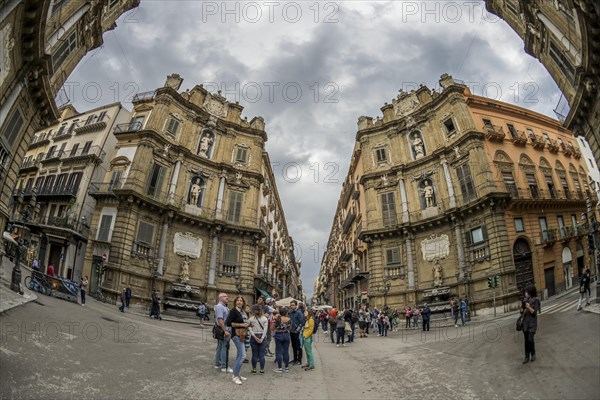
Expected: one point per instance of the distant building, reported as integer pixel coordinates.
(563, 35)
(449, 189)
(189, 205)
(56, 171)
(42, 42)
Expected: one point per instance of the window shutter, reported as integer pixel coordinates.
(468, 238)
(484, 232)
(103, 230)
(145, 233)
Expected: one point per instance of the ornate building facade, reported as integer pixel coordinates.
(42, 42)
(57, 169)
(189, 205)
(564, 36)
(449, 189)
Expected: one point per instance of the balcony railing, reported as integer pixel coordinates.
(518, 138)
(30, 165)
(493, 132)
(348, 222)
(140, 249)
(68, 223)
(128, 127)
(54, 155)
(94, 127)
(549, 236)
(84, 153)
(552, 145)
(537, 141)
(40, 140)
(58, 191)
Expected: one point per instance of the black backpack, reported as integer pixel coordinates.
(354, 317)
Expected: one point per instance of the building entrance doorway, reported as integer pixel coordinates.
(523, 264)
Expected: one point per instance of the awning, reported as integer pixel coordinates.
(265, 293)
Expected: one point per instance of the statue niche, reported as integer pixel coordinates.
(196, 192)
(205, 146)
(417, 145)
(427, 194)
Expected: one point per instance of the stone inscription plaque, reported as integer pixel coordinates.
(435, 247)
(186, 244)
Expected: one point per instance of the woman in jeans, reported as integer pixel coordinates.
(281, 333)
(235, 321)
(340, 326)
(307, 334)
(258, 337)
(529, 309)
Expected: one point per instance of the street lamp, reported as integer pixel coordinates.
(27, 211)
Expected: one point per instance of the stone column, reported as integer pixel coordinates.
(212, 268)
(449, 183)
(284, 294)
(405, 217)
(460, 251)
(173, 185)
(410, 262)
(220, 197)
(162, 247)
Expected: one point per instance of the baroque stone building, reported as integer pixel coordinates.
(60, 163)
(564, 35)
(189, 205)
(448, 189)
(42, 42)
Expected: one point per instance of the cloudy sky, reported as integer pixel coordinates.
(311, 69)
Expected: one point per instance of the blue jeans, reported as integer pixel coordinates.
(258, 352)
(82, 296)
(221, 355)
(241, 354)
(463, 316)
(282, 349)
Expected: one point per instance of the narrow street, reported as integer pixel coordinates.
(55, 349)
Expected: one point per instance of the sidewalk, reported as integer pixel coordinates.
(8, 298)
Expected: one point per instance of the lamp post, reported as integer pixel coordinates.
(26, 211)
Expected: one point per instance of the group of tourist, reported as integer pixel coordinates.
(255, 327)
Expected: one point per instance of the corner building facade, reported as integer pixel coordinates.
(185, 205)
(458, 188)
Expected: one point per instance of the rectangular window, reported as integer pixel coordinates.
(39, 182)
(101, 116)
(49, 183)
(393, 257)
(74, 150)
(51, 152)
(487, 123)
(57, 5)
(86, 148)
(114, 180)
(143, 243)
(561, 226)
(562, 61)
(533, 187)
(156, 180)
(66, 47)
(519, 225)
(512, 130)
(577, 186)
(90, 119)
(478, 235)
(234, 211)
(230, 257)
(466, 182)
(12, 128)
(509, 182)
(449, 124)
(241, 155)
(381, 155)
(104, 228)
(61, 131)
(72, 127)
(544, 227)
(172, 126)
(74, 181)
(565, 186)
(551, 188)
(388, 209)
(61, 181)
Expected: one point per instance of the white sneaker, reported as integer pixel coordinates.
(456, 325)
(343, 345)
(243, 378)
(227, 370)
(337, 345)
(237, 380)
(217, 367)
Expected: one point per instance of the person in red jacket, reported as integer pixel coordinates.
(50, 270)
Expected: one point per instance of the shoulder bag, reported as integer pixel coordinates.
(519, 324)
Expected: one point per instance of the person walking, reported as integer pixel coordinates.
(259, 326)
(408, 316)
(426, 314)
(202, 313)
(415, 314)
(362, 321)
(584, 289)
(529, 310)
(298, 322)
(385, 324)
(331, 319)
(340, 326)
(307, 334)
(222, 334)
(239, 329)
(463, 310)
(84, 285)
(454, 308)
(155, 308)
(122, 307)
(283, 326)
(127, 296)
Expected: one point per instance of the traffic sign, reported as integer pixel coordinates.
(364, 292)
(104, 257)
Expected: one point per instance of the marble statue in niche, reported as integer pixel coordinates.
(428, 193)
(207, 139)
(437, 274)
(196, 192)
(184, 275)
(417, 145)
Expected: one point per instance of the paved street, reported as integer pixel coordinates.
(51, 348)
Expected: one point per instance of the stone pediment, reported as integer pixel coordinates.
(216, 105)
(405, 104)
(142, 107)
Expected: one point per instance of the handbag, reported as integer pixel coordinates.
(582, 289)
(519, 324)
(347, 327)
(218, 333)
(241, 333)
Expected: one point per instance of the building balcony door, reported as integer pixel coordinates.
(549, 278)
(523, 264)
